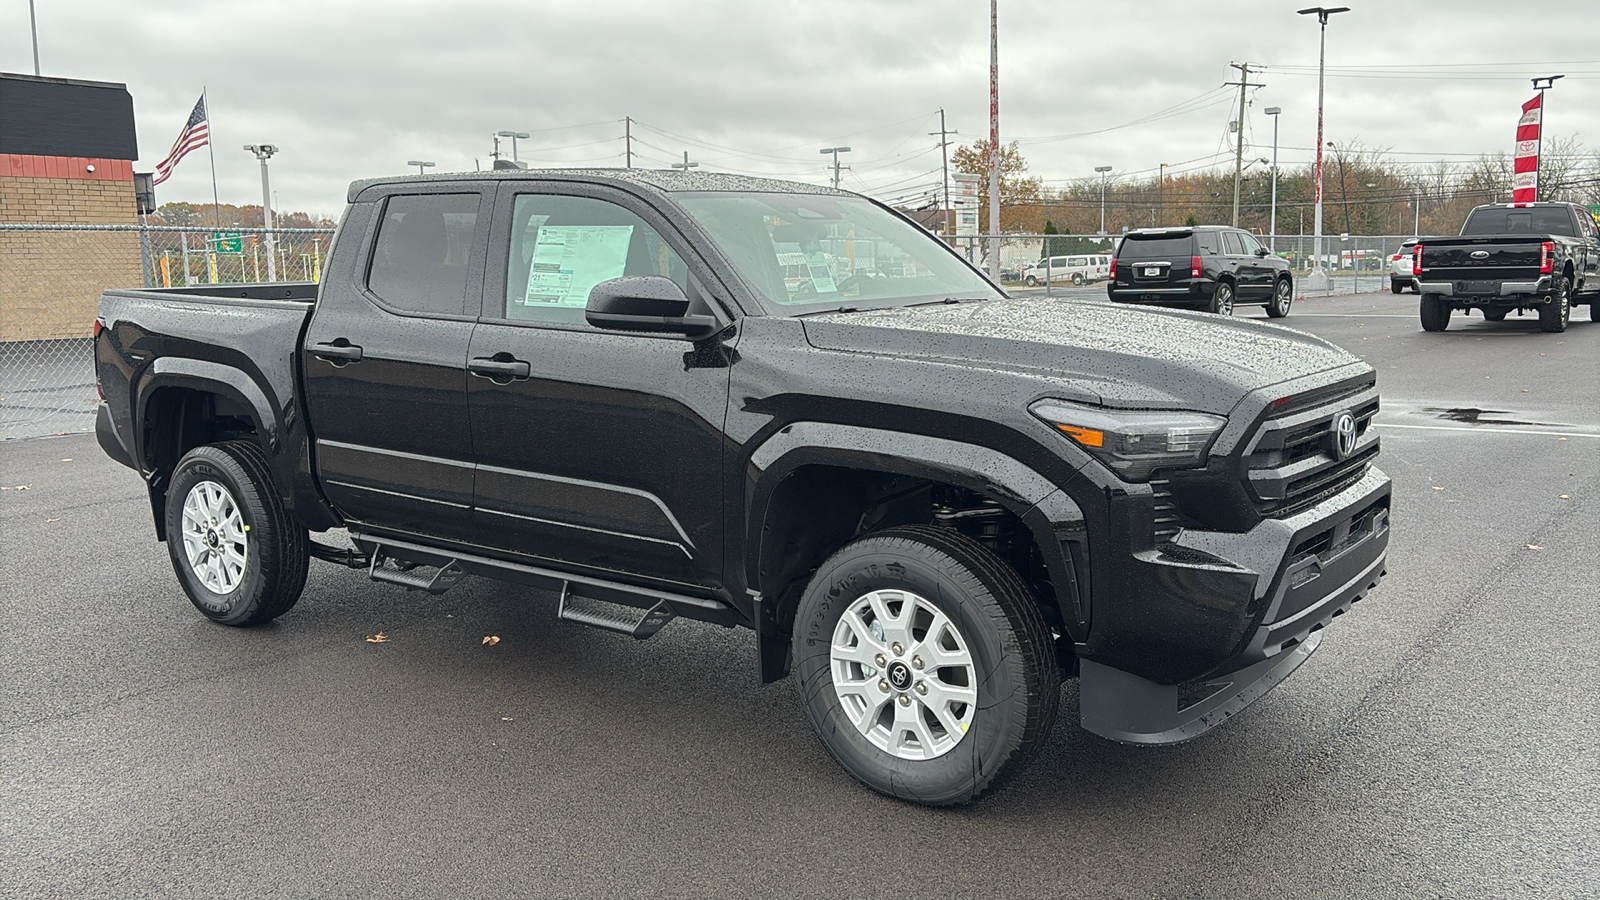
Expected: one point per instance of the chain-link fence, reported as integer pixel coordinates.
(51, 277)
(1353, 264)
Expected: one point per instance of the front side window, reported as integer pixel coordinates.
(808, 252)
(419, 263)
(1250, 244)
(562, 246)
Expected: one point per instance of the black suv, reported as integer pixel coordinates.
(1207, 266)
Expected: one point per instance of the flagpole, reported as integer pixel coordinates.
(216, 205)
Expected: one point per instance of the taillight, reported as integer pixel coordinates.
(1416, 260)
(1547, 261)
(99, 326)
(1395, 257)
(1195, 269)
(1113, 273)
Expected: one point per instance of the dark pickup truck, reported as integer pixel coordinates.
(775, 406)
(1542, 256)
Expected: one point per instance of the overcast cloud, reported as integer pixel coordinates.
(352, 90)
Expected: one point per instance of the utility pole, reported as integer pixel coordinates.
(944, 151)
(1161, 193)
(1416, 214)
(835, 151)
(1238, 146)
(496, 153)
(1549, 81)
(33, 23)
(263, 153)
(994, 140)
(627, 138)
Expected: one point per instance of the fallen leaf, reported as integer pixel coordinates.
(47, 521)
(1437, 488)
(1533, 546)
(1524, 390)
(507, 719)
(489, 640)
(23, 487)
(68, 459)
(379, 638)
(1560, 439)
(1559, 497)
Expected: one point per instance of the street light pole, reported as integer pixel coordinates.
(421, 164)
(1102, 170)
(263, 153)
(513, 135)
(1161, 195)
(686, 165)
(994, 140)
(1272, 238)
(1318, 280)
(835, 151)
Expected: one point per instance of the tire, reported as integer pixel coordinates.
(1222, 299)
(1435, 313)
(243, 561)
(1495, 315)
(997, 648)
(1031, 281)
(1077, 280)
(1594, 309)
(1554, 316)
(1282, 299)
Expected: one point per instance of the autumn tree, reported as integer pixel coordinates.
(1015, 185)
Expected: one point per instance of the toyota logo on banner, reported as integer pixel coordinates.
(1344, 436)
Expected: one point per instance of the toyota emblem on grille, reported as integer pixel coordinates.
(1344, 436)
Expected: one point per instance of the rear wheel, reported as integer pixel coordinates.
(1553, 316)
(1077, 279)
(1396, 286)
(1282, 298)
(1594, 310)
(1435, 313)
(238, 555)
(1222, 299)
(925, 664)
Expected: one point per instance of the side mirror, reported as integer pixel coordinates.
(651, 303)
(1262, 252)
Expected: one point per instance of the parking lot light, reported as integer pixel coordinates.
(421, 164)
(1272, 237)
(1102, 170)
(1318, 279)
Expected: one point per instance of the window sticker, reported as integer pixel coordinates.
(569, 260)
(821, 275)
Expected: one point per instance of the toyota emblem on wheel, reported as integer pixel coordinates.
(1344, 436)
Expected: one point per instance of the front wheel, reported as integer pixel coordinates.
(1282, 298)
(1594, 310)
(238, 555)
(1031, 281)
(1077, 279)
(925, 664)
(1553, 316)
(1435, 312)
(1222, 299)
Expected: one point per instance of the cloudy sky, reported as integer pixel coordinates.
(355, 89)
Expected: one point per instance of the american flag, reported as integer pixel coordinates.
(193, 137)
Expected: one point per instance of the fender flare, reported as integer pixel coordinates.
(1050, 515)
(210, 377)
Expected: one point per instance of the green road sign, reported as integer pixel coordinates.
(228, 242)
(1594, 210)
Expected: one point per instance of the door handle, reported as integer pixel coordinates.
(338, 354)
(500, 366)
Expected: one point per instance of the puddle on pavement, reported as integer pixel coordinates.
(1472, 415)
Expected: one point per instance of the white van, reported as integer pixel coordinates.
(1080, 269)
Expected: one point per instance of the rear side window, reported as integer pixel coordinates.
(1208, 242)
(420, 262)
(1231, 245)
(1157, 247)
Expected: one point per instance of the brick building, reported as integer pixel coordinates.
(66, 158)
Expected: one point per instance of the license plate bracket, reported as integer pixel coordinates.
(1478, 287)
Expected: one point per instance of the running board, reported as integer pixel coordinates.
(613, 616)
(447, 577)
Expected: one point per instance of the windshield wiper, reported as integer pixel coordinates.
(948, 300)
(822, 312)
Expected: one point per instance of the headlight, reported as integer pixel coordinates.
(1134, 443)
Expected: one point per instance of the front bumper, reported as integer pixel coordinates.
(1209, 623)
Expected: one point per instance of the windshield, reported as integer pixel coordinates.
(1522, 220)
(809, 252)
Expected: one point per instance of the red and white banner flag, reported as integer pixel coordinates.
(1525, 166)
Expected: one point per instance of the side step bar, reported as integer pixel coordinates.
(613, 616)
(447, 577)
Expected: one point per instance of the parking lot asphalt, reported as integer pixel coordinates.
(1442, 742)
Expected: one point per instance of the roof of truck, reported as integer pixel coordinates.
(664, 181)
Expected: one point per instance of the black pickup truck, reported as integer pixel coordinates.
(1543, 256)
(775, 406)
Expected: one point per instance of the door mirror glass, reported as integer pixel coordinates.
(651, 303)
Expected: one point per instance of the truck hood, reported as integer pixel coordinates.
(1095, 351)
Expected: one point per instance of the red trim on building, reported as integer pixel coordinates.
(19, 166)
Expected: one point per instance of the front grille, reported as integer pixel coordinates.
(1290, 464)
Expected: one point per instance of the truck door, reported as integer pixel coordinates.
(385, 363)
(598, 449)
